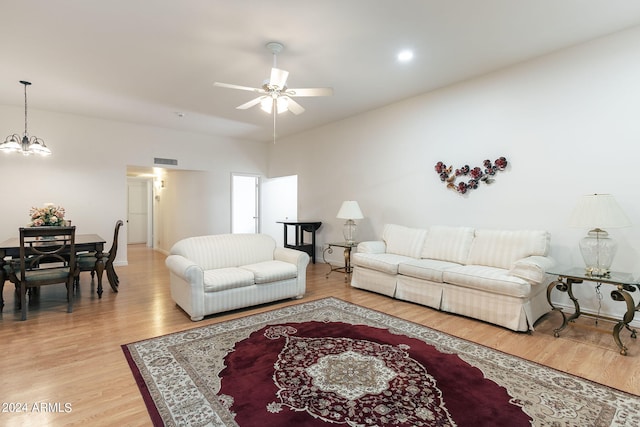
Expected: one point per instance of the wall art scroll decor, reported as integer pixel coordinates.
(476, 175)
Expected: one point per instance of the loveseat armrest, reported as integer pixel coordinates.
(372, 247)
(532, 269)
(185, 269)
(298, 258)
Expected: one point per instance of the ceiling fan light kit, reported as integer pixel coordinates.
(275, 97)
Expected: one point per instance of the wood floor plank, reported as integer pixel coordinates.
(59, 359)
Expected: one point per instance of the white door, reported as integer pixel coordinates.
(245, 196)
(138, 212)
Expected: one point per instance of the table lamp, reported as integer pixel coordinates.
(595, 212)
(349, 210)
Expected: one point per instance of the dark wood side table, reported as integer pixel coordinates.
(301, 227)
(624, 284)
(348, 246)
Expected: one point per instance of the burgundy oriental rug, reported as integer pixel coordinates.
(332, 363)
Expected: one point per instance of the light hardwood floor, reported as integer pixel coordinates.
(73, 363)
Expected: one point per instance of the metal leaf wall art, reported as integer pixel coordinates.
(475, 175)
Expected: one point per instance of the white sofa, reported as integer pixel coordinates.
(498, 276)
(211, 274)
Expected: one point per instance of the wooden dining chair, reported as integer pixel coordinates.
(47, 257)
(87, 261)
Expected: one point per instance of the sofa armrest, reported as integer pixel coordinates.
(186, 269)
(372, 247)
(298, 258)
(532, 269)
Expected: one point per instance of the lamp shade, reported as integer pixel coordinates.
(598, 211)
(350, 210)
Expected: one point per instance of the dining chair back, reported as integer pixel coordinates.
(87, 261)
(47, 257)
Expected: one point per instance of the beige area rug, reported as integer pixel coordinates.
(329, 362)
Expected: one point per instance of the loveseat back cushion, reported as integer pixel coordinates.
(502, 248)
(446, 243)
(226, 250)
(401, 240)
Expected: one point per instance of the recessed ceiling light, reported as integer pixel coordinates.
(405, 55)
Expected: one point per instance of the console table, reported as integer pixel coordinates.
(624, 283)
(300, 228)
(347, 257)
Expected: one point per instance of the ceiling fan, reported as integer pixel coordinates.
(274, 93)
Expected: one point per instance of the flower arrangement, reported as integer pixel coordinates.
(476, 174)
(47, 215)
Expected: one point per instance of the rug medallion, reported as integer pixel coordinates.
(329, 362)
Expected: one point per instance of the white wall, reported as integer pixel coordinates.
(87, 174)
(567, 123)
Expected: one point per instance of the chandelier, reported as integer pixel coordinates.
(25, 145)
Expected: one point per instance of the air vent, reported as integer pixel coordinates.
(161, 161)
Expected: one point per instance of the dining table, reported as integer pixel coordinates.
(10, 248)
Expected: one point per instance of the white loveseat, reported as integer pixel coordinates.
(211, 274)
(498, 276)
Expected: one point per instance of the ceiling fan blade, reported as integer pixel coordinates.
(250, 104)
(310, 91)
(278, 77)
(230, 86)
(294, 107)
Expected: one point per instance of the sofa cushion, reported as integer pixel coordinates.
(502, 248)
(386, 263)
(221, 279)
(489, 279)
(271, 271)
(428, 269)
(447, 243)
(402, 240)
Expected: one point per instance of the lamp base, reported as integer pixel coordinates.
(598, 251)
(349, 230)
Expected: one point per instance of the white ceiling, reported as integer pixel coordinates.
(143, 61)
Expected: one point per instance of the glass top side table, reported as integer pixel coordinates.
(348, 246)
(624, 284)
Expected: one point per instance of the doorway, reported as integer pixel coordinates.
(245, 203)
(139, 210)
(280, 202)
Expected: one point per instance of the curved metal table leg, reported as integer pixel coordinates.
(621, 295)
(328, 250)
(560, 285)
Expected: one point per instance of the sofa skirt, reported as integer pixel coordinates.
(375, 281)
(517, 314)
(420, 291)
